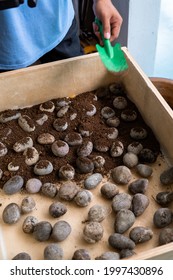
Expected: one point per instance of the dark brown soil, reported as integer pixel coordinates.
(95, 124)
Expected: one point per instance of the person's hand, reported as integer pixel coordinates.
(111, 20)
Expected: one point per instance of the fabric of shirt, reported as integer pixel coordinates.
(28, 33)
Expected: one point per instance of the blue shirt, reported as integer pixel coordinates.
(28, 33)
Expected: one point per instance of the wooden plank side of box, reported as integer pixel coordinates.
(152, 106)
(27, 87)
(40, 83)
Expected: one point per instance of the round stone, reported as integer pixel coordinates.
(43, 167)
(83, 198)
(117, 149)
(129, 115)
(107, 112)
(113, 122)
(29, 224)
(33, 185)
(144, 170)
(121, 174)
(84, 165)
(13, 185)
(121, 201)
(120, 102)
(60, 124)
(60, 148)
(73, 139)
(138, 133)
(45, 138)
(53, 252)
(61, 230)
(31, 156)
(135, 147)
(28, 204)
(93, 181)
(47, 106)
(49, 189)
(130, 160)
(66, 172)
(11, 213)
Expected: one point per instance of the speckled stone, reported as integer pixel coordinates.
(117, 149)
(120, 102)
(45, 138)
(84, 165)
(11, 213)
(13, 185)
(12, 166)
(29, 224)
(62, 111)
(42, 231)
(28, 204)
(121, 174)
(53, 252)
(31, 156)
(125, 219)
(121, 201)
(140, 203)
(138, 186)
(57, 209)
(93, 232)
(146, 155)
(22, 256)
(68, 190)
(93, 181)
(43, 167)
(113, 122)
(49, 189)
(3, 149)
(33, 185)
(129, 115)
(85, 149)
(83, 198)
(60, 148)
(135, 147)
(41, 119)
(91, 110)
(109, 190)
(166, 177)
(26, 123)
(138, 133)
(119, 241)
(23, 144)
(144, 170)
(99, 162)
(9, 116)
(60, 231)
(66, 172)
(130, 160)
(47, 106)
(108, 256)
(107, 112)
(60, 124)
(73, 139)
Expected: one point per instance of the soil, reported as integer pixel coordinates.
(11, 132)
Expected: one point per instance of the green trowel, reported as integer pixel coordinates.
(112, 56)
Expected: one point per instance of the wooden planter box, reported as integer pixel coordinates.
(27, 87)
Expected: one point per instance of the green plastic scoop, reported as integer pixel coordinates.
(112, 56)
